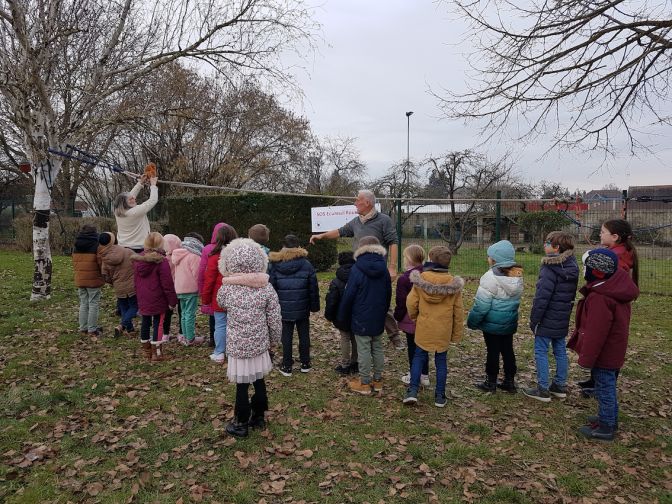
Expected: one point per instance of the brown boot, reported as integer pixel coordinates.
(147, 350)
(158, 355)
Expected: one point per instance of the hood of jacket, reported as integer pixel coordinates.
(511, 281)
(242, 255)
(615, 287)
(343, 272)
(371, 260)
(113, 254)
(171, 243)
(436, 286)
(180, 254)
(286, 262)
(147, 261)
(86, 242)
(564, 264)
(214, 232)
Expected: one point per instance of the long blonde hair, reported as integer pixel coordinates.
(414, 254)
(154, 240)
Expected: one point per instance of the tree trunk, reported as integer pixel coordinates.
(41, 249)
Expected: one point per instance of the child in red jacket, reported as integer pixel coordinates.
(211, 283)
(601, 334)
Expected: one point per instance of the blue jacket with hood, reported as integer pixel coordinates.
(368, 292)
(497, 300)
(554, 300)
(295, 281)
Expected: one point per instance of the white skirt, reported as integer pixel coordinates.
(249, 370)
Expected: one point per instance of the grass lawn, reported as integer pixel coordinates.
(87, 420)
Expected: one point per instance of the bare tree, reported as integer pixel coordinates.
(404, 180)
(67, 69)
(334, 166)
(583, 72)
(468, 175)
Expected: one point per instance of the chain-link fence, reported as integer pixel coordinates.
(470, 227)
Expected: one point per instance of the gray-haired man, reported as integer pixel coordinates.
(372, 223)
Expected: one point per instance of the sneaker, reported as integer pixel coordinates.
(81, 332)
(97, 332)
(396, 341)
(358, 386)
(378, 384)
(411, 396)
(407, 380)
(440, 400)
(306, 367)
(538, 393)
(595, 420)
(601, 432)
(342, 370)
(118, 331)
(557, 390)
(196, 341)
(165, 338)
(218, 357)
(354, 368)
(285, 370)
(589, 393)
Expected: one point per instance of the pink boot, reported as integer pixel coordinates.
(165, 338)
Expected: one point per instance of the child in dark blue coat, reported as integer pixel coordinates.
(551, 310)
(365, 303)
(295, 281)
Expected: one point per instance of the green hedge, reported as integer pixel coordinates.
(283, 215)
(62, 243)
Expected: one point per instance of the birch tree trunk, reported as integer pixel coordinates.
(41, 250)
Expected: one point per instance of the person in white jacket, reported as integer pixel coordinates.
(132, 221)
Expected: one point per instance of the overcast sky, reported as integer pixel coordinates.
(381, 59)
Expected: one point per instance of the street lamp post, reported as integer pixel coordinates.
(399, 209)
(408, 139)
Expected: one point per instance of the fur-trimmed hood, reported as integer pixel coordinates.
(557, 259)
(151, 256)
(147, 261)
(287, 254)
(436, 284)
(242, 255)
(370, 249)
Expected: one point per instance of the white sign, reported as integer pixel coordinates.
(325, 219)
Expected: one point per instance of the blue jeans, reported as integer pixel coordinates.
(541, 357)
(220, 332)
(410, 346)
(129, 308)
(605, 387)
(420, 358)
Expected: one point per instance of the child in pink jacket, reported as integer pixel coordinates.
(186, 261)
(170, 243)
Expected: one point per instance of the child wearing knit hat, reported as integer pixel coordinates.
(495, 312)
(601, 334)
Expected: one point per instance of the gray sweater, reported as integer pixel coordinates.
(380, 226)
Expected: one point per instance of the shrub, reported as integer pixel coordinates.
(539, 223)
(62, 243)
(282, 214)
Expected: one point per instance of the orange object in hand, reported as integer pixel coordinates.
(150, 170)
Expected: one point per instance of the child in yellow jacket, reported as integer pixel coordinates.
(435, 305)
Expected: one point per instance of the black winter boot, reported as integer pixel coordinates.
(589, 383)
(259, 406)
(508, 385)
(237, 428)
(489, 385)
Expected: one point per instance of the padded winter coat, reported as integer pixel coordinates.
(368, 293)
(118, 269)
(87, 261)
(334, 296)
(603, 321)
(211, 284)
(186, 271)
(435, 305)
(295, 281)
(404, 286)
(204, 263)
(153, 283)
(495, 309)
(554, 300)
(253, 322)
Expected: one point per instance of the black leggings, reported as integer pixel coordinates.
(259, 402)
(147, 322)
(168, 319)
(499, 344)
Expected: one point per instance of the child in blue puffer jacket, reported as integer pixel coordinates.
(551, 311)
(495, 312)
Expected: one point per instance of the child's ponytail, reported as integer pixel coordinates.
(623, 230)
